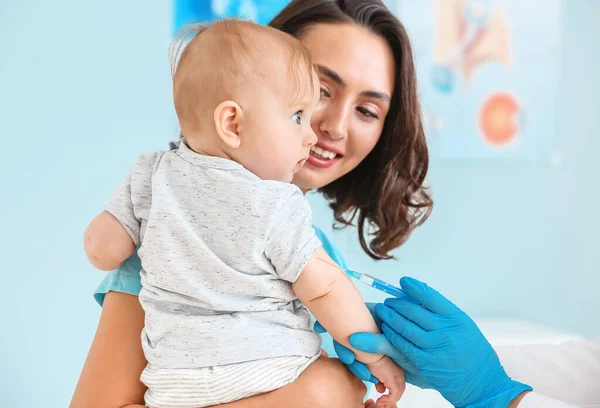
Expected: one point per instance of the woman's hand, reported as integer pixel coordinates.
(111, 374)
(439, 347)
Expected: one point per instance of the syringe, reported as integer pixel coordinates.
(376, 283)
(372, 282)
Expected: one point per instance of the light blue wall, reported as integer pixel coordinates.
(84, 87)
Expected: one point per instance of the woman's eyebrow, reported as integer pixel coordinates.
(331, 74)
(382, 96)
(335, 77)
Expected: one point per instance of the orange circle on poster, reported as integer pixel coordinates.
(497, 119)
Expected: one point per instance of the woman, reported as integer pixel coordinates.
(369, 118)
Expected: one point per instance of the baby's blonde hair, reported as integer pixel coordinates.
(210, 64)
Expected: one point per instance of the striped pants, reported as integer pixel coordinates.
(203, 387)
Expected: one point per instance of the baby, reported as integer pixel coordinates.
(230, 259)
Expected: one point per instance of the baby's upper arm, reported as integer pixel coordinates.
(290, 238)
(113, 235)
(318, 277)
(107, 243)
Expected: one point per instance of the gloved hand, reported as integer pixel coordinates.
(439, 347)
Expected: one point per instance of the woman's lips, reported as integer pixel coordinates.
(321, 163)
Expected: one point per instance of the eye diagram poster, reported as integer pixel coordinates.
(487, 72)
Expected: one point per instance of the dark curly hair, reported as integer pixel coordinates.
(385, 192)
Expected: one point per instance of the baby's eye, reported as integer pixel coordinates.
(297, 117)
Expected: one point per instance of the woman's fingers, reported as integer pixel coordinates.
(404, 327)
(404, 347)
(372, 343)
(379, 344)
(416, 313)
(362, 371)
(319, 328)
(344, 353)
(428, 297)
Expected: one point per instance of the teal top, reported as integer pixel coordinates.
(126, 279)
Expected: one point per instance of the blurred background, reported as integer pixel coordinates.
(511, 101)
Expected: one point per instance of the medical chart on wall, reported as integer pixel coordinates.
(487, 72)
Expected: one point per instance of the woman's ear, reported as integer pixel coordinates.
(228, 116)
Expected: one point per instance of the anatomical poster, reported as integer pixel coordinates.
(487, 72)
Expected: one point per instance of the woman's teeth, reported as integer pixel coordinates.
(324, 154)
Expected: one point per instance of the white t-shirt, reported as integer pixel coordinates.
(220, 249)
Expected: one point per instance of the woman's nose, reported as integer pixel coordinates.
(334, 123)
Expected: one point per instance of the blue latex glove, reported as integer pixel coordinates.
(440, 347)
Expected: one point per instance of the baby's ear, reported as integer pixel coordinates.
(228, 116)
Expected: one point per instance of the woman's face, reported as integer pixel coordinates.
(356, 69)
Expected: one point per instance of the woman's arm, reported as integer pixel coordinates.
(110, 376)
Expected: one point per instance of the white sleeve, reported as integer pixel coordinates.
(291, 239)
(535, 400)
(567, 372)
(130, 202)
(121, 207)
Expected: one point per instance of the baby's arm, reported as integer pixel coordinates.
(334, 300)
(107, 243)
(390, 377)
(113, 235)
(321, 284)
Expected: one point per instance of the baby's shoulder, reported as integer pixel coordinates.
(150, 159)
(147, 163)
(283, 199)
(279, 192)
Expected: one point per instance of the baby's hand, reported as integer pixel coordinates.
(391, 377)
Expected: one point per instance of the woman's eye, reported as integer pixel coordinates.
(324, 93)
(367, 113)
(297, 117)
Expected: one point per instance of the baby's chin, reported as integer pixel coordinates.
(311, 179)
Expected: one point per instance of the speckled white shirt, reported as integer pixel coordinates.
(220, 249)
